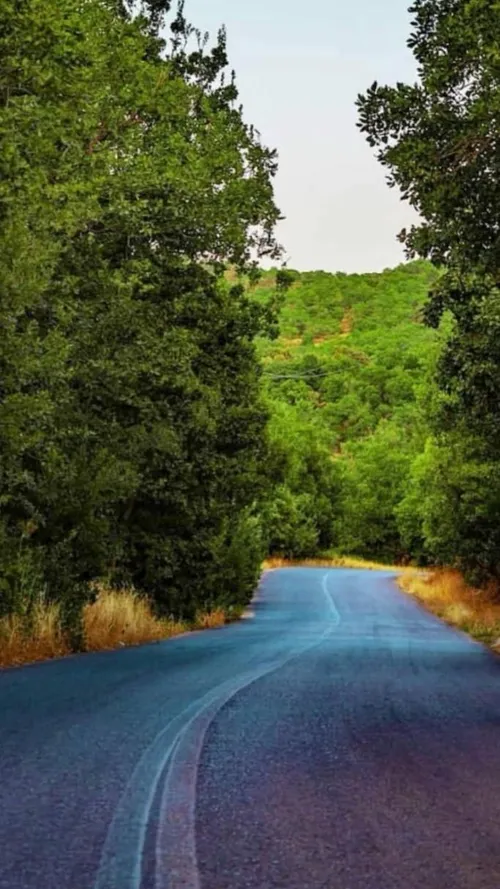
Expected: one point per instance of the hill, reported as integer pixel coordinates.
(343, 382)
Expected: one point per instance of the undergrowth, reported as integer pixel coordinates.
(115, 619)
(329, 560)
(446, 594)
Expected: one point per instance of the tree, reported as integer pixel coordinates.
(303, 482)
(439, 137)
(450, 509)
(132, 429)
(345, 421)
(439, 140)
(374, 477)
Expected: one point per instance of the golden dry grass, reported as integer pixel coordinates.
(41, 638)
(209, 620)
(123, 617)
(446, 593)
(329, 562)
(117, 618)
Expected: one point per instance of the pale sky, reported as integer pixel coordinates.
(300, 65)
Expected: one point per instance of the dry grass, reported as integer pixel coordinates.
(329, 562)
(22, 642)
(210, 620)
(116, 619)
(445, 593)
(122, 617)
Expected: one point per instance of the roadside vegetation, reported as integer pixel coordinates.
(445, 592)
(116, 618)
(437, 139)
(132, 423)
(169, 415)
(406, 403)
(325, 560)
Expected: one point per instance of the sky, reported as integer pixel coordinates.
(300, 65)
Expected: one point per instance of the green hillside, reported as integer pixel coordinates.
(342, 381)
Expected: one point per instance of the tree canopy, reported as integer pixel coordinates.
(131, 422)
(439, 140)
(438, 137)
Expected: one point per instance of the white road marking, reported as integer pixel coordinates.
(176, 861)
(333, 608)
(178, 746)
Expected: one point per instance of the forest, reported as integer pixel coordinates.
(346, 384)
(171, 412)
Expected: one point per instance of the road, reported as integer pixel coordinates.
(342, 738)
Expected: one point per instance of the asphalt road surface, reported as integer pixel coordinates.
(342, 738)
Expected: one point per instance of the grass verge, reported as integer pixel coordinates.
(446, 594)
(328, 560)
(117, 618)
(122, 617)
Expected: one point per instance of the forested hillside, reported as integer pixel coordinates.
(345, 382)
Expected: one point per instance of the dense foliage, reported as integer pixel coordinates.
(154, 430)
(131, 421)
(345, 383)
(439, 139)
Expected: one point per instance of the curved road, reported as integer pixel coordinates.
(343, 738)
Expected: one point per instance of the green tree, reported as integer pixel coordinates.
(346, 417)
(438, 137)
(439, 140)
(449, 513)
(374, 480)
(132, 428)
(303, 481)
